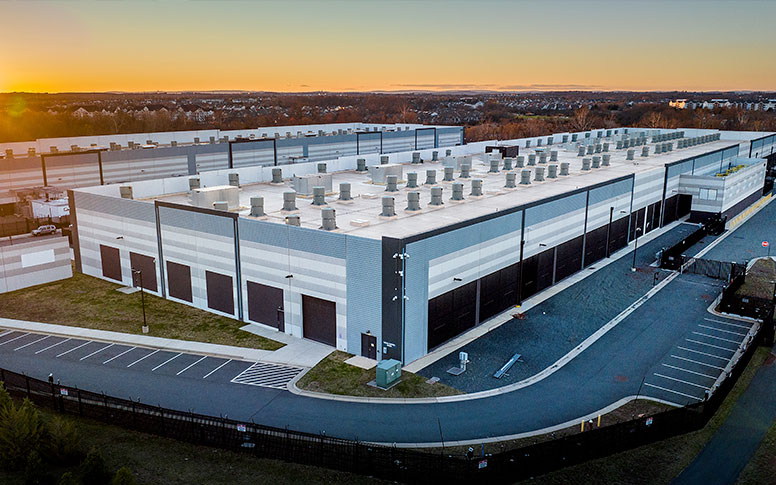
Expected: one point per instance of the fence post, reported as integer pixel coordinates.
(80, 404)
(27, 383)
(161, 416)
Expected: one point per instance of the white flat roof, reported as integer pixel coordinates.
(366, 205)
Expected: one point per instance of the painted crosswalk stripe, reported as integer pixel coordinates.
(720, 330)
(15, 338)
(212, 371)
(117, 356)
(143, 358)
(33, 342)
(74, 348)
(191, 365)
(262, 374)
(671, 390)
(703, 353)
(97, 351)
(166, 361)
(698, 362)
(688, 371)
(727, 323)
(710, 345)
(718, 338)
(683, 382)
(54, 345)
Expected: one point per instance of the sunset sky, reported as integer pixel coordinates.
(387, 45)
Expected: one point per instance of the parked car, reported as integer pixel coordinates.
(43, 230)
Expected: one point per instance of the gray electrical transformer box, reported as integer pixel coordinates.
(388, 372)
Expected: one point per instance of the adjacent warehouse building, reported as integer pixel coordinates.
(393, 255)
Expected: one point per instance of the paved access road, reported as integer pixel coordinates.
(609, 370)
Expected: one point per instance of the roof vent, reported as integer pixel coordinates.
(596, 161)
(212, 140)
(508, 164)
(543, 157)
(328, 219)
(383, 159)
(539, 176)
(618, 146)
(412, 180)
(590, 149)
(565, 139)
(388, 208)
(436, 196)
(598, 148)
(390, 183)
(277, 175)
(645, 151)
(520, 163)
(670, 146)
(173, 143)
(257, 206)
(552, 171)
(581, 151)
(605, 147)
(221, 205)
(525, 177)
(574, 137)
(234, 179)
(294, 220)
(413, 201)
(630, 154)
(31, 152)
(448, 174)
(431, 177)
(549, 140)
(476, 187)
(322, 168)
(126, 191)
(493, 166)
(53, 149)
(564, 168)
(465, 171)
(344, 191)
(511, 177)
(194, 183)
(585, 164)
(554, 156)
(361, 165)
(415, 157)
(528, 143)
(539, 142)
(605, 160)
(457, 191)
(434, 156)
(448, 152)
(319, 195)
(289, 201)
(532, 159)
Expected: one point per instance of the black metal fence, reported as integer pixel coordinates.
(392, 463)
(671, 258)
(743, 305)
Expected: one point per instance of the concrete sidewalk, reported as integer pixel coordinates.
(297, 352)
(739, 437)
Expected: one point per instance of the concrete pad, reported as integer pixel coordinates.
(361, 362)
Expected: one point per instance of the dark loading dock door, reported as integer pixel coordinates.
(669, 215)
(265, 305)
(637, 221)
(319, 319)
(220, 292)
(618, 236)
(111, 262)
(498, 291)
(569, 259)
(650, 218)
(179, 281)
(451, 313)
(537, 273)
(146, 265)
(684, 205)
(368, 346)
(595, 245)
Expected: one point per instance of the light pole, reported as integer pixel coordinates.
(635, 247)
(142, 297)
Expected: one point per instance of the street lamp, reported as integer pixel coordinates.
(635, 247)
(139, 274)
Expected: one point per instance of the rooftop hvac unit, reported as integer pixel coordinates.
(206, 197)
(379, 173)
(303, 184)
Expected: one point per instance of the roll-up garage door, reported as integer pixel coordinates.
(319, 319)
(498, 291)
(569, 258)
(265, 305)
(220, 292)
(451, 313)
(143, 268)
(111, 262)
(595, 245)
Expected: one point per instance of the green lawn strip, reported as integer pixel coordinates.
(659, 462)
(759, 281)
(332, 375)
(155, 460)
(761, 468)
(85, 301)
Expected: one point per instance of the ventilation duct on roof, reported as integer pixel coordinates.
(531, 159)
(476, 187)
(384, 159)
(436, 196)
(493, 166)
(520, 162)
(257, 206)
(539, 175)
(388, 207)
(322, 167)
(412, 180)
(194, 183)
(605, 160)
(508, 164)
(289, 201)
(413, 201)
(234, 179)
(319, 195)
(525, 177)
(431, 177)
(448, 174)
(543, 157)
(585, 164)
(554, 156)
(552, 171)
(596, 161)
(564, 168)
(344, 191)
(277, 176)
(293, 220)
(630, 154)
(328, 219)
(581, 151)
(434, 156)
(415, 157)
(126, 191)
(465, 171)
(511, 177)
(457, 191)
(391, 183)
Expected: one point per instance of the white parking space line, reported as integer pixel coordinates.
(191, 365)
(703, 353)
(727, 323)
(74, 348)
(6, 333)
(166, 361)
(208, 374)
(718, 338)
(97, 351)
(54, 345)
(683, 382)
(15, 338)
(143, 358)
(671, 390)
(709, 345)
(720, 330)
(117, 356)
(33, 342)
(697, 362)
(689, 371)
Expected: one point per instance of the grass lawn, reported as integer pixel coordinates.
(84, 301)
(659, 462)
(155, 460)
(761, 468)
(759, 280)
(332, 375)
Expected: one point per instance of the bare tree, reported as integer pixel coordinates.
(581, 120)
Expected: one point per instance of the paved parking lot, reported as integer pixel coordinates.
(689, 370)
(146, 360)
